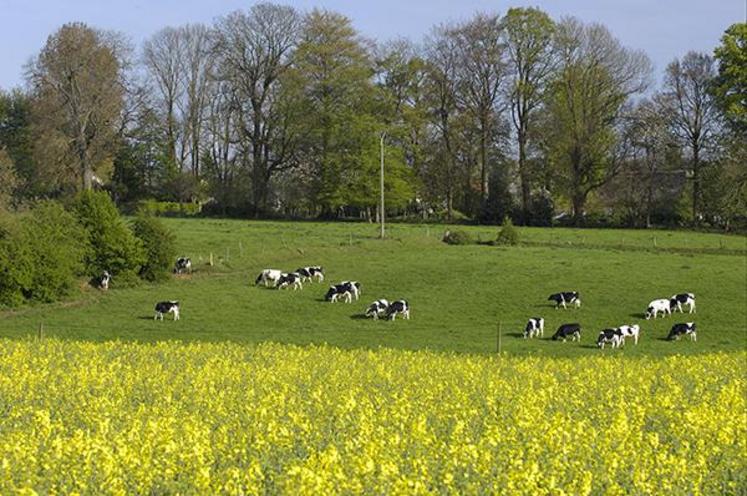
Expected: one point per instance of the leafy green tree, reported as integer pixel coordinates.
(595, 77)
(730, 86)
(18, 166)
(16, 266)
(528, 34)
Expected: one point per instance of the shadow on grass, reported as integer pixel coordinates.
(515, 334)
(359, 316)
(589, 346)
(638, 315)
(146, 317)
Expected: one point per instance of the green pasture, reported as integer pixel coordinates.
(458, 294)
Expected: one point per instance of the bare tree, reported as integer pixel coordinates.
(481, 73)
(254, 50)
(692, 109)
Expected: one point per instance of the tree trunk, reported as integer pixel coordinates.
(524, 175)
(696, 182)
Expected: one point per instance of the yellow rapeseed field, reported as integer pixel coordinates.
(172, 418)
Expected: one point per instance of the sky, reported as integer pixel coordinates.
(664, 29)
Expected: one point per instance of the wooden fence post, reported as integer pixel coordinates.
(499, 337)
(41, 330)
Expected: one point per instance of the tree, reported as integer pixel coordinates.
(18, 175)
(595, 77)
(8, 179)
(528, 34)
(481, 73)
(332, 78)
(730, 86)
(76, 83)
(692, 111)
(255, 50)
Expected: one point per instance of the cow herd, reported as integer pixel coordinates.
(615, 337)
(348, 291)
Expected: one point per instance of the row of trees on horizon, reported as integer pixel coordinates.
(271, 111)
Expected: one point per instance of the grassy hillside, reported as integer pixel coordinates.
(458, 294)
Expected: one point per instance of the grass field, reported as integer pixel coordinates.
(458, 294)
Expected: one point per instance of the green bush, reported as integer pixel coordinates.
(58, 246)
(508, 235)
(15, 262)
(113, 245)
(457, 237)
(160, 247)
(168, 209)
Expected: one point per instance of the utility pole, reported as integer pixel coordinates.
(381, 184)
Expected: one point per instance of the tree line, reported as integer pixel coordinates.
(274, 112)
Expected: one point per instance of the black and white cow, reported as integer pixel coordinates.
(399, 307)
(346, 289)
(568, 330)
(268, 277)
(676, 302)
(377, 309)
(535, 327)
(683, 329)
(309, 273)
(292, 279)
(183, 264)
(566, 297)
(613, 337)
(630, 331)
(104, 280)
(658, 306)
(163, 307)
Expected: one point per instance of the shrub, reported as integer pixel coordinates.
(457, 237)
(113, 245)
(15, 262)
(168, 209)
(159, 244)
(58, 247)
(508, 235)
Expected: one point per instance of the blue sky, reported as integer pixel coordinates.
(664, 29)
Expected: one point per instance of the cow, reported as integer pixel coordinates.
(535, 327)
(683, 329)
(163, 307)
(561, 299)
(612, 336)
(398, 307)
(183, 264)
(309, 273)
(346, 289)
(292, 279)
(377, 309)
(104, 280)
(268, 277)
(658, 306)
(565, 330)
(676, 302)
(630, 331)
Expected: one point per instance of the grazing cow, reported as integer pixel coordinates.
(683, 329)
(346, 289)
(163, 307)
(398, 307)
(560, 299)
(377, 309)
(658, 306)
(183, 264)
(630, 331)
(309, 273)
(535, 327)
(566, 330)
(676, 302)
(104, 280)
(292, 279)
(612, 336)
(268, 277)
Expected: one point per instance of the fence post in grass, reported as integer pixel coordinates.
(654, 241)
(41, 330)
(211, 258)
(499, 338)
(241, 249)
